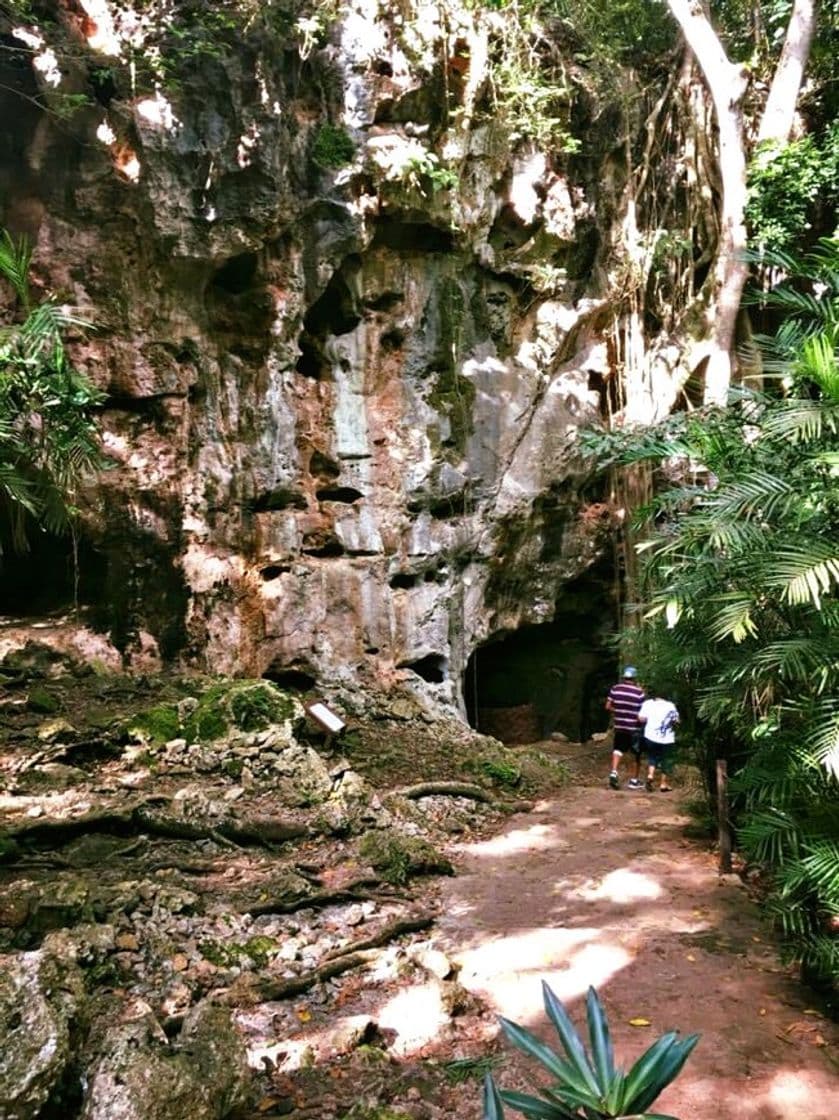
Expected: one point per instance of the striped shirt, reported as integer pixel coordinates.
(626, 701)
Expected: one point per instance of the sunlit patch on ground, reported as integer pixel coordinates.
(518, 840)
(508, 970)
(621, 886)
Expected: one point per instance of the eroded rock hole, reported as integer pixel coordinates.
(281, 497)
(403, 581)
(411, 237)
(345, 494)
(432, 668)
(290, 678)
(236, 275)
(334, 312)
(273, 571)
(554, 677)
(392, 340)
(326, 549)
(321, 466)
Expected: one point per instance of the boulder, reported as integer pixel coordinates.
(142, 1076)
(40, 997)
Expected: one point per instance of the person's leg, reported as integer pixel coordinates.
(635, 777)
(620, 744)
(666, 768)
(653, 759)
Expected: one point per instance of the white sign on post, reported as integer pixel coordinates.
(327, 719)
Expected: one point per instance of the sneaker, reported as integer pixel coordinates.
(634, 783)
(613, 780)
(648, 786)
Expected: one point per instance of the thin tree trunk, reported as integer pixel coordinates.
(779, 114)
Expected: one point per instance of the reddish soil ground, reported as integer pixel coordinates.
(603, 888)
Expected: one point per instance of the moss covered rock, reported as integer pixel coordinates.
(396, 857)
(241, 706)
(226, 707)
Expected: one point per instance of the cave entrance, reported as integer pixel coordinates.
(523, 686)
(46, 578)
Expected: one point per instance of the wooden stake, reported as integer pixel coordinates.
(723, 822)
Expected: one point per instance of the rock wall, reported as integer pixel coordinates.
(341, 405)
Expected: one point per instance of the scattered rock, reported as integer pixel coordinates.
(433, 961)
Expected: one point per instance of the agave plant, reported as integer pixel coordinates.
(588, 1086)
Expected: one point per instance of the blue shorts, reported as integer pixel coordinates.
(659, 754)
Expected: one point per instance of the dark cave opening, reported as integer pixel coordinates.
(554, 676)
(432, 668)
(290, 678)
(47, 577)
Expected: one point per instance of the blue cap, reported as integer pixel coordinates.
(630, 671)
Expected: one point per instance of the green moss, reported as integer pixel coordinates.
(156, 725)
(396, 857)
(333, 147)
(240, 705)
(254, 708)
(228, 954)
(41, 700)
(502, 773)
(233, 767)
(453, 395)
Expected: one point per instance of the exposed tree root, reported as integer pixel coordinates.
(388, 933)
(445, 789)
(150, 816)
(352, 956)
(352, 892)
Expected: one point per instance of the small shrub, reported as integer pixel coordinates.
(588, 1084)
(333, 147)
(503, 773)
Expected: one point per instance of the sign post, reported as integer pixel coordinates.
(327, 720)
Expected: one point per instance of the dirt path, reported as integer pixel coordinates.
(602, 888)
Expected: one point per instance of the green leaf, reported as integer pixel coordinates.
(645, 1068)
(569, 1038)
(529, 1044)
(493, 1108)
(666, 1069)
(534, 1109)
(601, 1042)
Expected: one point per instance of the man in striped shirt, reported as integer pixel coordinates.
(624, 702)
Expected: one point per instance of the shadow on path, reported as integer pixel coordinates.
(602, 888)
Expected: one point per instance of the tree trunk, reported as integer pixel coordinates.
(727, 85)
(779, 114)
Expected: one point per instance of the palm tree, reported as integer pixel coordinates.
(48, 432)
(741, 577)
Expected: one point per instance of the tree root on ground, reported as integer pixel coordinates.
(445, 789)
(353, 892)
(339, 961)
(149, 816)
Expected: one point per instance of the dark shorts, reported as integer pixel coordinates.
(659, 755)
(627, 742)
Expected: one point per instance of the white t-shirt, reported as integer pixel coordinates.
(660, 718)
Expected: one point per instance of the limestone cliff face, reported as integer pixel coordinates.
(341, 404)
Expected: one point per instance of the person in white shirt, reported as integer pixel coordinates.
(659, 718)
